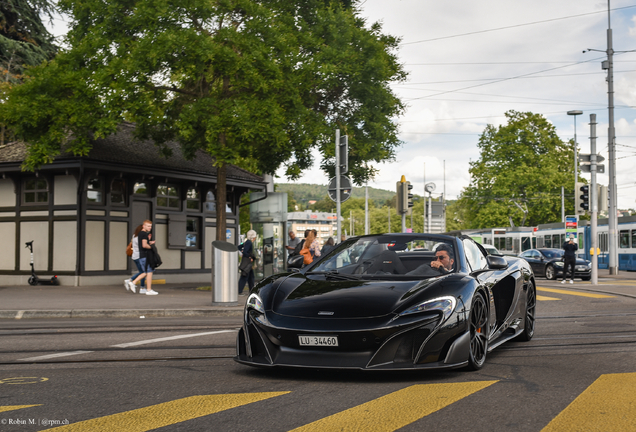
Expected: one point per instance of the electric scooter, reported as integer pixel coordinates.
(34, 280)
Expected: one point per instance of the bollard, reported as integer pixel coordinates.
(224, 274)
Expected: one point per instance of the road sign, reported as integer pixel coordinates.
(586, 158)
(600, 168)
(345, 188)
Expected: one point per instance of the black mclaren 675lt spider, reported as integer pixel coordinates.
(391, 301)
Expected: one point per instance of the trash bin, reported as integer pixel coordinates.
(224, 274)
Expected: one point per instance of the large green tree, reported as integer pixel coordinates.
(24, 42)
(522, 166)
(257, 83)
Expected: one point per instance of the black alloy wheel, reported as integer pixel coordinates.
(478, 333)
(531, 305)
(33, 280)
(550, 273)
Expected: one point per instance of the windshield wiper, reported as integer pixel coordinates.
(333, 274)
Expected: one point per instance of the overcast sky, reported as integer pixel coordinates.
(471, 61)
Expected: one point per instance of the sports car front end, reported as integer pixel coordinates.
(334, 328)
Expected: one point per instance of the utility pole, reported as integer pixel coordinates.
(366, 210)
(339, 227)
(594, 199)
(611, 132)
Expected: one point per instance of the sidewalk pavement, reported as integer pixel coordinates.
(181, 300)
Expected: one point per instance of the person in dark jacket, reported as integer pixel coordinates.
(247, 258)
(569, 258)
(328, 246)
(145, 249)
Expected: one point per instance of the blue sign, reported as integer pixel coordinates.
(228, 234)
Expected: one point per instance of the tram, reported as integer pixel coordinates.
(514, 240)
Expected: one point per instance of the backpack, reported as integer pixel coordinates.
(307, 256)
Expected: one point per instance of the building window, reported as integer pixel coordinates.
(193, 200)
(168, 197)
(210, 203)
(36, 191)
(118, 192)
(192, 232)
(140, 189)
(95, 190)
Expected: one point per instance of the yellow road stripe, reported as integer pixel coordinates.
(168, 413)
(607, 405)
(396, 410)
(574, 293)
(544, 298)
(15, 407)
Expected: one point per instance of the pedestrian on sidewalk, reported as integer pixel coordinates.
(569, 258)
(146, 258)
(247, 260)
(135, 258)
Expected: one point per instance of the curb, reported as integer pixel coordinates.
(119, 313)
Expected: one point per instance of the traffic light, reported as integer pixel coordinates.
(584, 198)
(401, 203)
(343, 149)
(408, 197)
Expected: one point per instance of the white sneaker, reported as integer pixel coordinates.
(142, 291)
(151, 292)
(126, 284)
(571, 281)
(563, 281)
(132, 286)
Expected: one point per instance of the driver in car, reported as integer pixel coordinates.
(444, 262)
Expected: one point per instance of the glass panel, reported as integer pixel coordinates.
(173, 203)
(41, 184)
(193, 204)
(548, 241)
(191, 240)
(29, 184)
(162, 190)
(140, 189)
(43, 197)
(172, 191)
(162, 202)
(191, 225)
(193, 194)
(624, 239)
(192, 232)
(117, 192)
(29, 197)
(94, 190)
(634, 239)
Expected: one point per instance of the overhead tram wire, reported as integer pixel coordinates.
(514, 26)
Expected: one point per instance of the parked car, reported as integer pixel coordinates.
(548, 262)
(491, 249)
(390, 301)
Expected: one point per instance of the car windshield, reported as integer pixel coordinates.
(401, 256)
(553, 253)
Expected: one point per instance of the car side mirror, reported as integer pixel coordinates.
(295, 262)
(496, 262)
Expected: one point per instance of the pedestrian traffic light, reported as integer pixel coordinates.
(584, 196)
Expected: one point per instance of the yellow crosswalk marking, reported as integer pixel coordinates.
(168, 413)
(607, 405)
(396, 410)
(15, 407)
(544, 298)
(574, 293)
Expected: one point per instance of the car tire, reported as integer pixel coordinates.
(529, 321)
(479, 330)
(586, 278)
(550, 272)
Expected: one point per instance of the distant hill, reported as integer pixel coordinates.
(305, 192)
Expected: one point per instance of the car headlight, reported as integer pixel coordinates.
(255, 302)
(445, 305)
(558, 263)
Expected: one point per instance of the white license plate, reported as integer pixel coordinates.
(318, 340)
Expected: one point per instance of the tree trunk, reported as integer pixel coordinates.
(221, 200)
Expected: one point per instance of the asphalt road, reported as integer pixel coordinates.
(578, 373)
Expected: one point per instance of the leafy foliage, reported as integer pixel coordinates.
(522, 164)
(256, 83)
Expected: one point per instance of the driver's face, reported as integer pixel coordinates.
(444, 259)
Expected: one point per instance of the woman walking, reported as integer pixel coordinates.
(135, 258)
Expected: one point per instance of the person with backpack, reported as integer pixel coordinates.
(247, 259)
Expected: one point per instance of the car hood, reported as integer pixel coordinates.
(315, 297)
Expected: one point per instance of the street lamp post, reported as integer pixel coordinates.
(574, 113)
